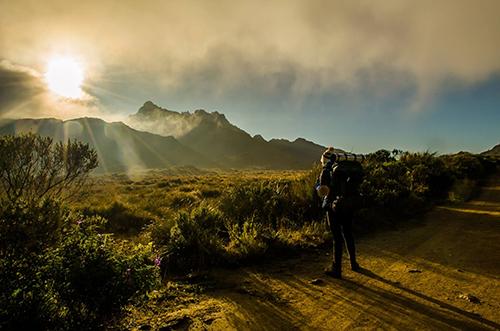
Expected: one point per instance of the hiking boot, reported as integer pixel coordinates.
(355, 266)
(334, 272)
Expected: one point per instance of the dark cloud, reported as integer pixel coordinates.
(20, 88)
(23, 93)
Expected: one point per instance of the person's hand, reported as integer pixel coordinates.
(323, 191)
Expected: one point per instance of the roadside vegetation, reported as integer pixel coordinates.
(58, 269)
(73, 261)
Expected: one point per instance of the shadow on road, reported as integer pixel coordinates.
(425, 309)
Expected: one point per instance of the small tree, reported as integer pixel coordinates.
(33, 167)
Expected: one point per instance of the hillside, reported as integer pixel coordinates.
(495, 151)
(213, 136)
(119, 147)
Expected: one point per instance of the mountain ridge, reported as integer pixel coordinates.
(212, 135)
(119, 147)
(156, 137)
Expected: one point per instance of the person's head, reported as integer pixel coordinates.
(327, 155)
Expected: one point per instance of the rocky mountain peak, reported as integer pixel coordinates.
(147, 107)
(201, 112)
(258, 137)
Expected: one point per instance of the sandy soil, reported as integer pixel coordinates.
(441, 272)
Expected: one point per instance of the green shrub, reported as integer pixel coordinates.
(385, 184)
(380, 156)
(25, 290)
(465, 165)
(248, 240)
(261, 201)
(121, 218)
(207, 193)
(308, 235)
(428, 174)
(401, 185)
(467, 170)
(189, 241)
(26, 228)
(272, 203)
(183, 199)
(71, 278)
(405, 184)
(57, 270)
(33, 167)
(304, 204)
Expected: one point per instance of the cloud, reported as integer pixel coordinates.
(19, 87)
(23, 93)
(302, 47)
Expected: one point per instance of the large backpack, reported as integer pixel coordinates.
(344, 179)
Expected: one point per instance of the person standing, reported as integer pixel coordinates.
(339, 184)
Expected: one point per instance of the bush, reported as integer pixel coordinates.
(385, 184)
(262, 202)
(26, 228)
(71, 278)
(207, 193)
(405, 184)
(465, 165)
(273, 203)
(309, 235)
(121, 218)
(304, 204)
(401, 185)
(248, 241)
(428, 175)
(95, 275)
(34, 167)
(189, 241)
(57, 269)
(414, 179)
(183, 200)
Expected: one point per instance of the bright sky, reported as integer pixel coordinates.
(360, 75)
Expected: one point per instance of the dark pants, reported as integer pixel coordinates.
(341, 227)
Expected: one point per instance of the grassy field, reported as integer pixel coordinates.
(157, 194)
(241, 208)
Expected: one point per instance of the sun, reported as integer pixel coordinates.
(64, 76)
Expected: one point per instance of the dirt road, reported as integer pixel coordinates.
(439, 273)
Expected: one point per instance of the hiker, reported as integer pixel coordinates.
(339, 186)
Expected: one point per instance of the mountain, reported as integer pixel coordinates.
(213, 136)
(200, 139)
(495, 151)
(119, 147)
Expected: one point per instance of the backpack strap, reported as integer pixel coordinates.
(326, 174)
